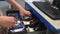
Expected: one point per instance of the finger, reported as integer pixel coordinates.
(10, 25)
(28, 13)
(21, 15)
(14, 20)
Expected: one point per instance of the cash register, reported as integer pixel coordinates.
(48, 13)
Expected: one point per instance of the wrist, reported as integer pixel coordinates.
(22, 10)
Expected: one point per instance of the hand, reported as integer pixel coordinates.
(24, 12)
(6, 21)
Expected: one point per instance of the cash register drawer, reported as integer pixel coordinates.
(42, 28)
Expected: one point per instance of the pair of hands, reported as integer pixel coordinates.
(7, 21)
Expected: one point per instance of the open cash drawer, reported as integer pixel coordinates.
(38, 26)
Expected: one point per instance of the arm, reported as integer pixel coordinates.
(6, 22)
(21, 9)
(13, 2)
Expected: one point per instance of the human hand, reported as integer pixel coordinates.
(6, 21)
(25, 12)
